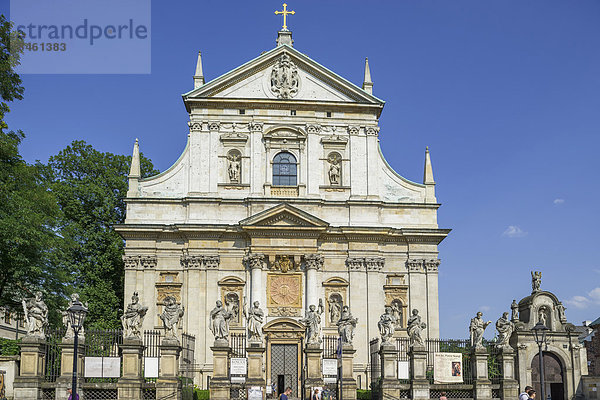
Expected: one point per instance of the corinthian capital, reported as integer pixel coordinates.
(355, 263)
(414, 265)
(254, 260)
(374, 263)
(314, 261)
(432, 265)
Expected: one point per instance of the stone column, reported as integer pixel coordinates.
(167, 383)
(348, 381)
(65, 380)
(131, 382)
(390, 386)
(313, 263)
(314, 375)
(27, 385)
(509, 386)
(254, 262)
(256, 376)
(482, 387)
(219, 383)
(419, 385)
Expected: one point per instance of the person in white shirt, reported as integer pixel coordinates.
(524, 395)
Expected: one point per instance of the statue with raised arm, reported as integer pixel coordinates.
(172, 313)
(346, 325)
(386, 325)
(415, 327)
(36, 315)
(476, 329)
(505, 329)
(133, 317)
(219, 322)
(312, 320)
(255, 317)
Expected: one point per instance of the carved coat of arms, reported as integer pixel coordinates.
(284, 78)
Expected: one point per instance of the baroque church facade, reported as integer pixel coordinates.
(282, 196)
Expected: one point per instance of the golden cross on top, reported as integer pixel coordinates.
(285, 13)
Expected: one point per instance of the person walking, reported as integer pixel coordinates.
(315, 395)
(524, 395)
(531, 394)
(443, 396)
(70, 391)
(285, 395)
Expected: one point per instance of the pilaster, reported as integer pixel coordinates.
(509, 386)
(348, 381)
(27, 385)
(131, 382)
(314, 375)
(219, 384)
(65, 380)
(167, 382)
(419, 385)
(482, 386)
(255, 353)
(390, 386)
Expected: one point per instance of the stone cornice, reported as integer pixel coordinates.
(139, 262)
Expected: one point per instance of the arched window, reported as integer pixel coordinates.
(285, 170)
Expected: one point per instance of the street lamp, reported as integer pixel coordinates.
(539, 331)
(77, 313)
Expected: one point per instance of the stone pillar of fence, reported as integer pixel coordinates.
(348, 381)
(219, 383)
(419, 384)
(28, 385)
(132, 379)
(390, 386)
(314, 374)
(65, 380)
(168, 385)
(509, 386)
(482, 386)
(256, 376)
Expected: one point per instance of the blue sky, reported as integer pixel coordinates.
(505, 93)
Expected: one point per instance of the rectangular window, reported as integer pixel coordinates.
(293, 112)
(242, 112)
(328, 114)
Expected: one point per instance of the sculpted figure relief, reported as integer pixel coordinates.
(133, 317)
(386, 324)
(334, 168)
(505, 329)
(536, 280)
(69, 332)
(284, 78)
(346, 325)
(476, 329)
(172, 313)
(415, 327)
(234, 167)
(36, 315)
(312, 320)
(543, 316)
(254, 317)
(397, 312)
(220, 318)
(514, 307)
(335, 308)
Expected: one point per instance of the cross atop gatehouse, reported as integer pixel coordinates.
(285, 13)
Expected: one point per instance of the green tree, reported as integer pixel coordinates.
(90, 187)
(28, 211)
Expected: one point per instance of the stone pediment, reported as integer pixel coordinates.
(283, 73)
(283, 216)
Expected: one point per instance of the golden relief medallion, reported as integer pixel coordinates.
(285, 290)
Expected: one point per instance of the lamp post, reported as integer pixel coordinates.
(77, 313)
(539, 332)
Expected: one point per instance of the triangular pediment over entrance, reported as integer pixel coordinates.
(283, 216)
(283, 73)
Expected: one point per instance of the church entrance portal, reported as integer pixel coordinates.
(284, 367)
(553, 376)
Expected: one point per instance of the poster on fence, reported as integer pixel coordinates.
(151, 367)
(447, 368)
(255, 393)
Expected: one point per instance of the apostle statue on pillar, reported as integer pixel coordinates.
(505, 329)
(133, 317)
(172, 313)
(255, 317)
(386, 324)
(346, 325)
(36, 315)
(476, 329)
(415, 327)
(219, 325)
(69, 332)
(312, 320)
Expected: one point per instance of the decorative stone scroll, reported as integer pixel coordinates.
(199, 262)
(139, 262)
(285, 80)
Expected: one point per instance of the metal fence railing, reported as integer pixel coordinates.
(330, 345)
(102, 343)
(53, 353)
(238, 344)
